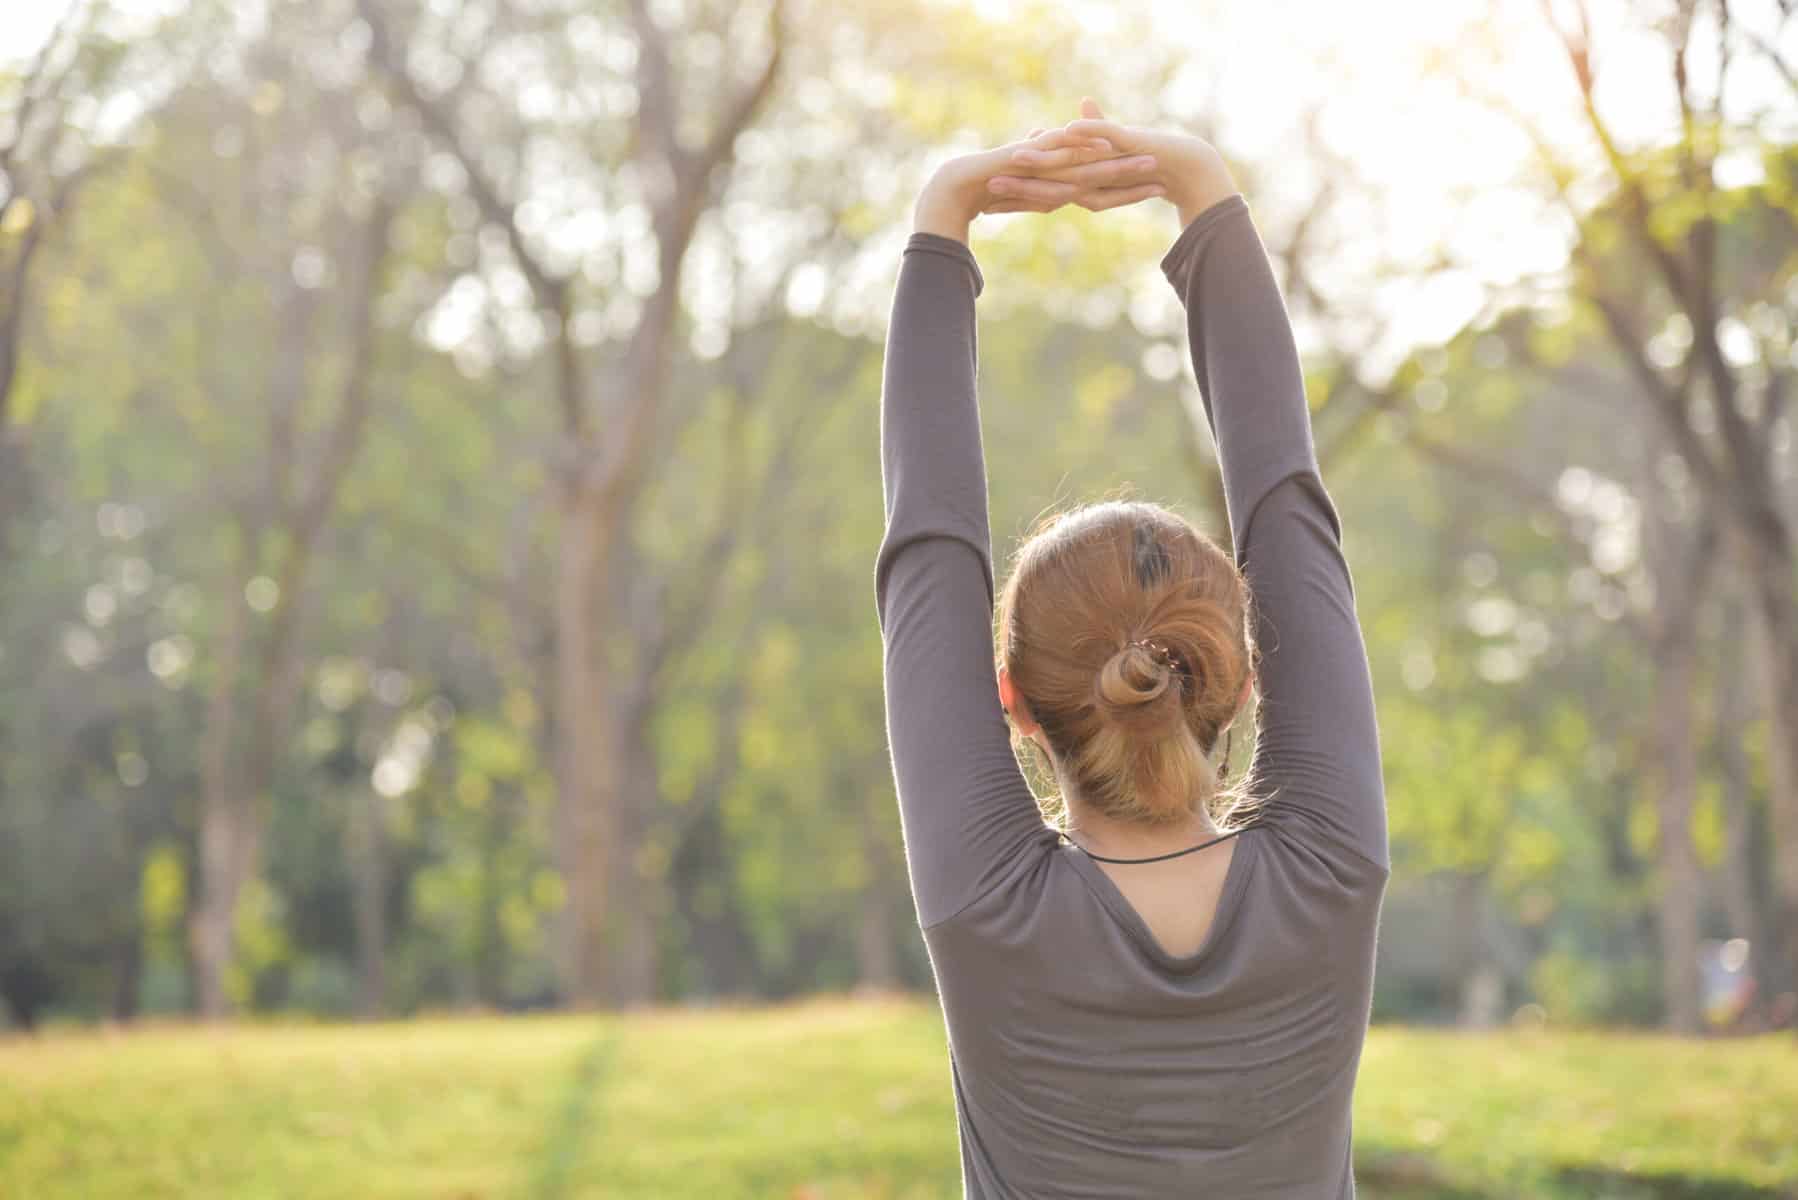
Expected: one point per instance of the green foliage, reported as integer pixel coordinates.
(165, 325)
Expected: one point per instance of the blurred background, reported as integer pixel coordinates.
(439, 494)
(440, 483)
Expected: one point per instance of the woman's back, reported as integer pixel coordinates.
(1089, 1060)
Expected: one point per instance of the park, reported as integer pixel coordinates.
(542, 655)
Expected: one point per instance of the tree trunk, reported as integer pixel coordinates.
(877, 953)
(585, 758)
(877, 956)
(25, 986)
(1481, 985)
(128, 974)
(490, 940)
(637, 966)
(367, 857)
(1741, 880)
(1679, 890)
(211, 922)
(226, 855)
(641, 877)
(718, 941)
(233, 796)
(1776, 635)
(15, 486)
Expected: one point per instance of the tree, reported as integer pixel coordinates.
(322, 278)
(1684, 272)
(600, 462)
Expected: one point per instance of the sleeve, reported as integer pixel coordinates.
(966, 810)
(1318, 754)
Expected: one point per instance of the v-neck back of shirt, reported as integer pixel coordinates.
(1106, 890)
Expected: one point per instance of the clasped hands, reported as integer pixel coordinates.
(1093, 162)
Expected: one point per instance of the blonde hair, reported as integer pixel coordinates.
(1125, 629)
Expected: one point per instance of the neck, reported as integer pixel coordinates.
(1127, 839)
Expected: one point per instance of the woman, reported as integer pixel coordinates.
(1158, 996)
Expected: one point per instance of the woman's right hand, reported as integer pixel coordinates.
(1189, 168)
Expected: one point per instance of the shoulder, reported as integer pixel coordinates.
(1314, 892)
(1015, 885)
(1307, 859)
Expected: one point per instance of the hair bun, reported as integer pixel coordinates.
(1136, 680)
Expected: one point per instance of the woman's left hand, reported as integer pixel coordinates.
(1088, 171)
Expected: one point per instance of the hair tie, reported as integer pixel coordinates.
(1161, 653)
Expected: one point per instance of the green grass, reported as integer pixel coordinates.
(827, 1100)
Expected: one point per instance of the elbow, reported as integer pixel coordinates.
(902, 541)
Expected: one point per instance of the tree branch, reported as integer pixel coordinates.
(658, 107)
(747, 102)
(674, 222)
(551, 289)
(345, 434)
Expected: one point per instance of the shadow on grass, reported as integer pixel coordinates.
(1390, 1175)
(1604, 1184)
(574, 1120)
(1403, 1176)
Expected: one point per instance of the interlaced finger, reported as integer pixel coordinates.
(1054, 139)
(1120, 136)
(1100, 199)
(1057, 147)
(1024, 188)
(1104, 173)
(1038, 159)
(1014, 206)
(1108, 172)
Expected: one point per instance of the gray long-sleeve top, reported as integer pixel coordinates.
(1085, 1060)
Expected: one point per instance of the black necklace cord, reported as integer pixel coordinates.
(1159, 857)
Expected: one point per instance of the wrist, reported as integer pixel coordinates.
(1199, 182)
(942, 210)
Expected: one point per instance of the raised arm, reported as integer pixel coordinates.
(1318, 756)
(966, 809)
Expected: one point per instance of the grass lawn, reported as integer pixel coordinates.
(825, 1100)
